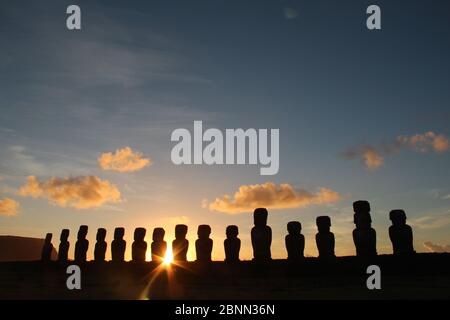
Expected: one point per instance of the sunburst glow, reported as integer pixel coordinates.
(168, 259)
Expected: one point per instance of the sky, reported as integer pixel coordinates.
(86, 117)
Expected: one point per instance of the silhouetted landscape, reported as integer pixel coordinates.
(404, 275)
(424, 276)
(224, 150)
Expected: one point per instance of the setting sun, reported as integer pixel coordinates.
(168, 259)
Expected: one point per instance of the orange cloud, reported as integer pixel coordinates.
(123, 160)
(373, 157)
(369, 156)
(9, 207)
(271, 196)
(81, 192)
(430, 246)
(424, 142)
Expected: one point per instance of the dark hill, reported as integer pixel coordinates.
(13, 248)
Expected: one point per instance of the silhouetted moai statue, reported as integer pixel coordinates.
(47, 248)
(400, 233)
(118, 245)
(82, 244)
(180, 245)
(63, 251)
(232, 244)
(100, 246)
(139, 247)
(364, 236)
(324, 238)
(295, 241)
(261, 236)
(204, 244)
(159, 246)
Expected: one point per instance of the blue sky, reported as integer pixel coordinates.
(137, 71)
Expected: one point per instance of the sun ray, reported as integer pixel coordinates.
(168, 259)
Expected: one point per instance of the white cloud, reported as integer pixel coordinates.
(18, 160)
(431, 221)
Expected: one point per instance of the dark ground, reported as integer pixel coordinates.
(424, 276)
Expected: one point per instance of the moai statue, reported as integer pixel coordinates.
(295, 241)
(63, 251)
(400, 233)
(180, 245)
(261, 236)
(82, 244)
(232, 244)
(139, 246)
(47, 248)
(204, 244)
(100, 246)
(364, 236)
(159, 246)
(118, 245)
(324, 238)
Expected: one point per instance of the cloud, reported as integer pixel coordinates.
(373, 157)
(432, 247)
(370, 157)
(17, 160)
(290, 13)
(431, 221)
(179, 220)
(9, 207)
(204, 203)
(424, 142)
(123, 160)
(271, 196)
(438, 194)
(81, 192)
